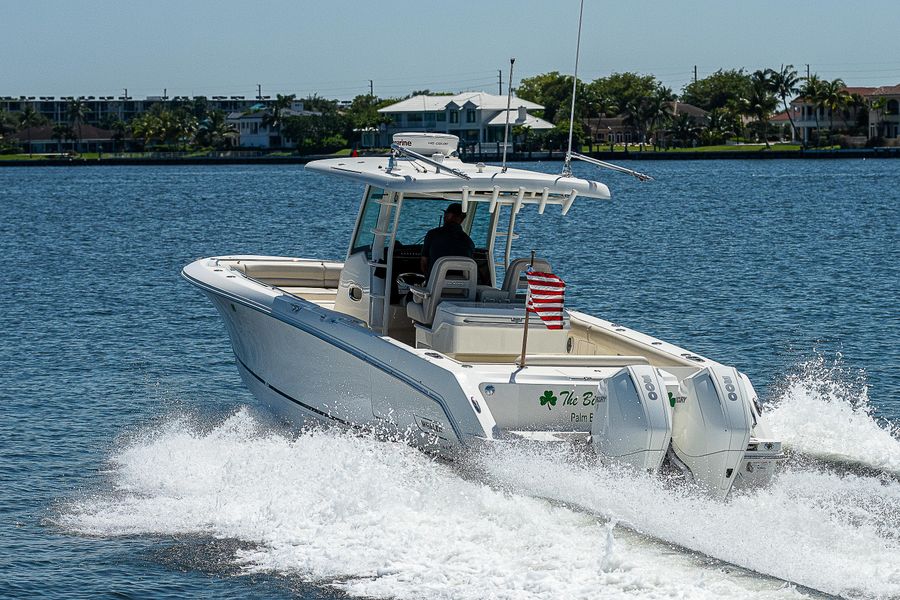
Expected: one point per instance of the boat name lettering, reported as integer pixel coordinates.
(573, 398)
(729, 387)
(651, 389)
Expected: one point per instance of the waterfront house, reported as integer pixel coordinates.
(610, 130)
(870, 117)
(475, 117)
(621, 130)
(253, 130)
(102, 109)
(42, 140)
(884, 114)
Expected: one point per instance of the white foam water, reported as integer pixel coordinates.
(839, 534)
(380, 519)
(823, 411)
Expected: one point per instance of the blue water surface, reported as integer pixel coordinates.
(760, 264)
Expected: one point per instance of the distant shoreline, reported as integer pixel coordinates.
(516, 157)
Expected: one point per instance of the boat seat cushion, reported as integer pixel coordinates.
(291, 273)
(453, 277)
(514, 280)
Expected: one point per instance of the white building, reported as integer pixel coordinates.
(254, 133)
(475, 117)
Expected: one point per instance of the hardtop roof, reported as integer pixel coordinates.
(410, 176)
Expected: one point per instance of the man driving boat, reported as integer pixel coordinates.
(447, 240)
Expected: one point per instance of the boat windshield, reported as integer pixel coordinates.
(419, 215)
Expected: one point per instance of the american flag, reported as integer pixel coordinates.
(545, 297)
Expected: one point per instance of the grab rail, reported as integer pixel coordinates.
(584, 360)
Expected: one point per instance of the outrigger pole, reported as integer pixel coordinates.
(567, 166)
(606, 165)
(525, 332)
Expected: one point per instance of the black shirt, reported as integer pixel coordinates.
(447, 240)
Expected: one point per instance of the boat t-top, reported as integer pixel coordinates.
(368, 344)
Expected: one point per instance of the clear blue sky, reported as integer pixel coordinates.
(98, 47)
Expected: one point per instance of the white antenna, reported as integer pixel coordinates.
(567, 166)
(508, 102)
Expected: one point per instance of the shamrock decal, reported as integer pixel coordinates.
(548, 399)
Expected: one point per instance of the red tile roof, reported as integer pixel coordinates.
(782, 116)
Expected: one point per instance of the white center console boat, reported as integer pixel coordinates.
(359, 344)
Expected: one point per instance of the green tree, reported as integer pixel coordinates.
(274, 117)
(760, 102)
(29, 118)
(785, 85)
(646, 112)
(315, 102)
(214, 130)
(551, 90)
(199, 107)
(835, 98)
(145, 127)
(77, 113)
(812, 91)
(684, 129)
(8, 126)
(659, 110)
(880, 105)
(717, 89)
(620, 91)
(722, 124)
(316, 133)
(63, 132)
(120, 132)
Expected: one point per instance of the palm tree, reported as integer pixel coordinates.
(78, 111)
(645, 112)
(835, 97)
(7, 126)
(760, 102)
(28, 119)
(880, 105)
(684, 129)
(62, 132)
(213, 130)
(659, 109)
(784, 84)
(721, 125)
(812, 90)
(145, 127)
(274, 119)
(120, 131)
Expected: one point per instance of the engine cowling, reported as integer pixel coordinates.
(632, 420)
(711, 426)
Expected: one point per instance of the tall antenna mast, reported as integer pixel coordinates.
(567, 166)
(508, 103)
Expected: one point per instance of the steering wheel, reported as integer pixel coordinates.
(404, 280)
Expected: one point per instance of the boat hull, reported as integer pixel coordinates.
(311, 366)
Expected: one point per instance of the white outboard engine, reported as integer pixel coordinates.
(632, 420)
(711, 426)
